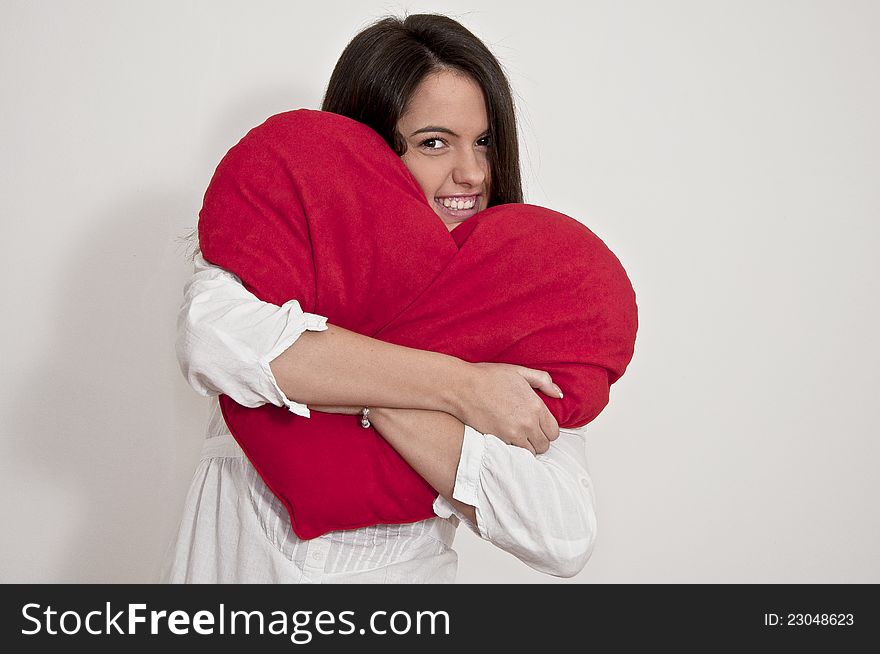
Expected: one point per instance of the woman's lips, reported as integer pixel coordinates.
(460, 214)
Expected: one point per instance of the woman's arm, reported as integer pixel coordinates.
(538, 508)
(226, 338)
(231, 342)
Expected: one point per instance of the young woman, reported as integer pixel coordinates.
(477, 433)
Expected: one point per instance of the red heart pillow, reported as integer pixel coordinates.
(315, 206)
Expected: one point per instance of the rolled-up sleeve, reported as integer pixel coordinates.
(227, 337)
(539, 508)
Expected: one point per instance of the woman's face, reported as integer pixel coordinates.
(446, 130)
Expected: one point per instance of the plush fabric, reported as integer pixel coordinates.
(315, 206)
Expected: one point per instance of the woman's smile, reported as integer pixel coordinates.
(459, 207)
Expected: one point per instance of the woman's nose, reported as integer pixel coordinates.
(470, 169)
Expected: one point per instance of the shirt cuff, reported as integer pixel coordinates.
(443, 508)
(467, 477)
(298, 322)
(467, 481)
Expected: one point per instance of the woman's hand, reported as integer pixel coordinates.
(500, 400)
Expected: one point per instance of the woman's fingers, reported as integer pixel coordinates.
(541, 380)
(501, 404)
(539, 443)
(549, 426)
(528, 446)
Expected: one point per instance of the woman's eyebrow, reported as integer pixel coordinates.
(445, 130)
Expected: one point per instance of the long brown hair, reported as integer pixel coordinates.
(382, 66)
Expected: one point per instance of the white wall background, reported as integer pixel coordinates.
(728, 152)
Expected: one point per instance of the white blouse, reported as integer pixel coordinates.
(234, 530)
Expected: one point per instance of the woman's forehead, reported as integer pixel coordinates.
(447, 100)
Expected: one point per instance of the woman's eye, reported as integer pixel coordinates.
(430, 144)
(426, 143)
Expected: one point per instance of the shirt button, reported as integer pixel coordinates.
(585, 483)
(317, 556)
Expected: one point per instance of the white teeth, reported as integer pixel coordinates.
(458, 205)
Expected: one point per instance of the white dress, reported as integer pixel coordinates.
(234, 530)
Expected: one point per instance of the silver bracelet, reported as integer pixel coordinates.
(365, 419)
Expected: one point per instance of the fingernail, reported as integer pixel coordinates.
(558, 390)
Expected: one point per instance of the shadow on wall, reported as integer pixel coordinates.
(109, 431)
(107, 422)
